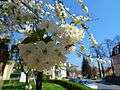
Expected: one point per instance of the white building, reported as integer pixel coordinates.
(57, 72)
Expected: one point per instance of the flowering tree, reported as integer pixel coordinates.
(51, 29)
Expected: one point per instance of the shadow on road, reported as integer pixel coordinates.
(104, 82)
(103, 85)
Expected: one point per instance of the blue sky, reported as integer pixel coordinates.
(107, 27)
(108, 12)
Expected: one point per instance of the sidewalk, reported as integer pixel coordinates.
(1, 83)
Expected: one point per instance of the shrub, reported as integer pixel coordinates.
(46, 77)
(112, 79)
(70, 85)
(15, 75)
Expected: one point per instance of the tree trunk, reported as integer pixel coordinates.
(39, 76)
(27, 82)
(98, 64)
(103, 70)
(99, 70)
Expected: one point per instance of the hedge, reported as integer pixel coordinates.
(113, 79)
(70, 85)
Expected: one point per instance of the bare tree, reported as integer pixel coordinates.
(116, 39)
(94, 53)
(109, 43)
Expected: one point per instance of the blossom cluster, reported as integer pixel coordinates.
(51, 52)
(54, 27)
(40, 55)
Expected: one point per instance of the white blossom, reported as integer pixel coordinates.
(54, 18)
(93, 40)
(101, 60)
(60, 10)
(84, 8)
(73, 34)
(41, 55)
(80, 19)
(50, 7)
(72, 48)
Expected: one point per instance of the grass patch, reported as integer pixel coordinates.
(12, 85)
(16, 85)
(49, 86)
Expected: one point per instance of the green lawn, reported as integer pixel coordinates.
(49, 86)
(15, 85)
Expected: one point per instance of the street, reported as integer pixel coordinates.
(102, 85)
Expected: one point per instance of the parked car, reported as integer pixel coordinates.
(89, 83)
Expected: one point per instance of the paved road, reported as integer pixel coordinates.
(102, 85)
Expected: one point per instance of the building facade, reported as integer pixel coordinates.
(116, 59)
(57, 72)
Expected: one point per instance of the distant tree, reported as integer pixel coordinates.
(86, 68)
(71, 69)
(116, 39)
(110, 44)
(95, 54)
(94, 71)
